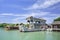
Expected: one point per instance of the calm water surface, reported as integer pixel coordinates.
(16, 35)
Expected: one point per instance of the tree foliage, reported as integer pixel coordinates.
(57, 19)
(5, 24)
(27, 25)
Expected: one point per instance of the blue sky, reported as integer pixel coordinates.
(16, 11)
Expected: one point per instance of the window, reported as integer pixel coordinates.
(31, 20)
(38, 21)
(28, 21)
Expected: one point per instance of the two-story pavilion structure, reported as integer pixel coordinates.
(36, 23)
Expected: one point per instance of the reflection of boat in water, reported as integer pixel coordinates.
(49, 29)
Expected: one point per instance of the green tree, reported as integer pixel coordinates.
(27, 25)
(57, 19)
(3, 24)
(12, 25)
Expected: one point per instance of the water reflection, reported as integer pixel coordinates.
(16, 35)
(52, 36)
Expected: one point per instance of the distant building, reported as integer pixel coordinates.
(56, 26)
(36, 23)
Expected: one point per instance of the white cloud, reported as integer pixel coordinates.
(10, 14)
(45, 4)
(51, 17)
(5, 14)
(22, 17)
(16, 20)
(37, 5)
(41, 14)
(19, 20)
(19, 15)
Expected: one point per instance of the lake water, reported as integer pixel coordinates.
(16, 35)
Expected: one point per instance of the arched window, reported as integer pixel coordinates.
(31, 20)
(28, 21)
(38, 21)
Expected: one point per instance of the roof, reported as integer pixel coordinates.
(56, 22)
(35, 18)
